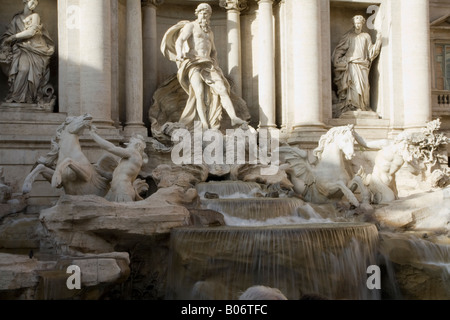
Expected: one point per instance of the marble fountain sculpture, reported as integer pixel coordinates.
(307, 229)
(208, 206)
(230, 229)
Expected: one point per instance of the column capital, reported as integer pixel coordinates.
(238, 5)
(279, 2)
(153, 3)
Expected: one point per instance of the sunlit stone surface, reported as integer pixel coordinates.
(336, 207)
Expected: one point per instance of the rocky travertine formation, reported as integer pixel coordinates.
(420, 212)
(26, 277)
(418, 265)
(93, 224)
(19, 275)
(98, 236)
(415, 243)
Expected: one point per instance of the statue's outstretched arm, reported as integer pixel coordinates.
(371, 145)
(108, 146)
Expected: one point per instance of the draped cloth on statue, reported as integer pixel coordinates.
(209, 73)
(29, 71)
(352, 59)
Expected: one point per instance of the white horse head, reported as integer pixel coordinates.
(67, 166)
(343, 137)
(329, 177)
(76, 125)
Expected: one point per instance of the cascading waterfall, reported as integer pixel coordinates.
(313, 258)
(255, 208)
(424, 259)
(229, 189)
(326, 258)
(240, 208)
(434, 254)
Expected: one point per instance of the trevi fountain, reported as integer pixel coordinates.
(191, 150)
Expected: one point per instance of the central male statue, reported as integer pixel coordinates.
(191, 45)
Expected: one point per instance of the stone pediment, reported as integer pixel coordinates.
(441, 23)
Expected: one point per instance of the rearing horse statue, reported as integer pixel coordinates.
(66, 165)
(329, 177)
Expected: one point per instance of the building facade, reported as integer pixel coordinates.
(277, 55)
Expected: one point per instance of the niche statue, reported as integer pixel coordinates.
(25, 52)
(191, 45)
(352, 60)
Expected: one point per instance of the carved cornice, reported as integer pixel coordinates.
(153, 3)
(239, 5)
(265, 1)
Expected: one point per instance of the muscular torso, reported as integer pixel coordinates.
(200, 42)
(127, 171)
(387, 162)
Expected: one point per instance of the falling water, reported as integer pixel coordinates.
(219, 263)
(53, 285)
(229, 189)
(277, 242)
(255, 208)
(419, 263)
(435, 254)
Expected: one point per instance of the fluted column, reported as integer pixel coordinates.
(95, 61)
(69, 58)
(416, 62)
(134, 70)
(266, 63)
(307, 67)
(150, 51)
(234, 8)
(326, 76)
(284, 66)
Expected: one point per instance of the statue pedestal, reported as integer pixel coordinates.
(43, 107)
(341, 111)
(368, 123)
(359, 114)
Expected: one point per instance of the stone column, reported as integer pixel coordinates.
(266, 63)
(234, 8)
(307, 70)
(285, 67)
(394, 85)
(134, 70)
(416, 62)
(150, 51)
(115, 64)
(95, 61)
(326, 63)
(69, 57)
